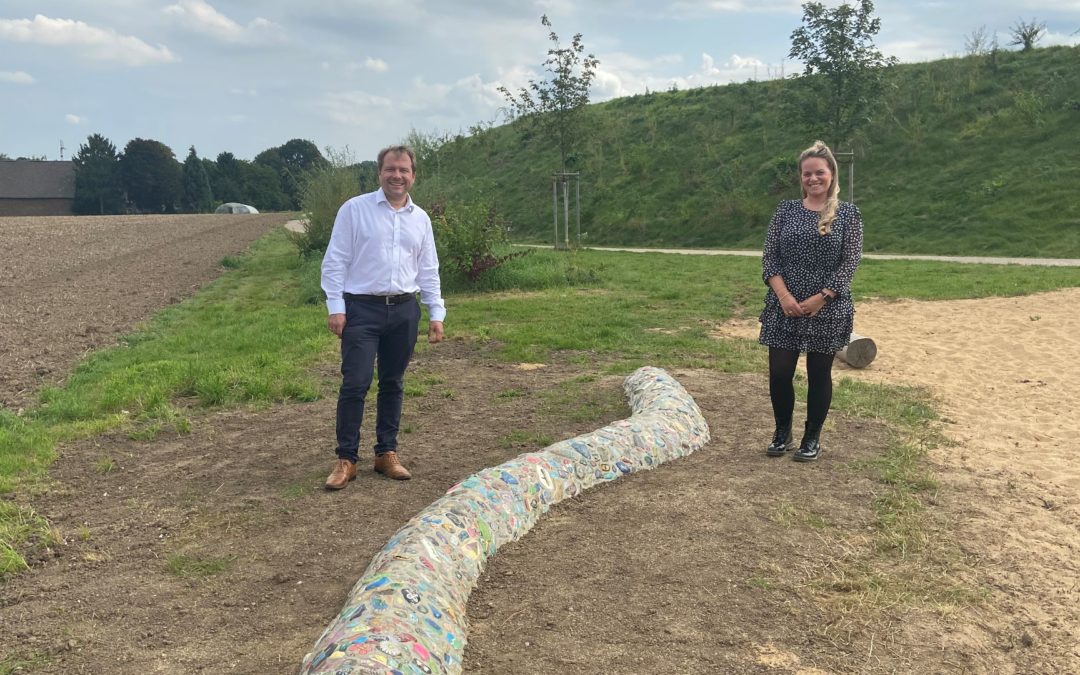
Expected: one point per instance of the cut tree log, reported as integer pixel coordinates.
(860, 351)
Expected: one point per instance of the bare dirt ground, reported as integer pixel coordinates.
(726, 561)
(71, 284)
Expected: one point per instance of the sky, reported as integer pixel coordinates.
(353, 76)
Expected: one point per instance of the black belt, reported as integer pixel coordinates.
(380, 299)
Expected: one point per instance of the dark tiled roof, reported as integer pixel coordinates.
(31, 179)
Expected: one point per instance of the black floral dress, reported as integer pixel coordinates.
(809, 262)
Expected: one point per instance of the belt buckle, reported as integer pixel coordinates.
(388, 299)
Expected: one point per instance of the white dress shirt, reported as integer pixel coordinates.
(376, 249)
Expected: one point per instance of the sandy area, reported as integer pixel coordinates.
(1006, 372)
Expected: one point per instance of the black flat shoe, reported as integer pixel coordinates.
(808, 451)
(781, 442)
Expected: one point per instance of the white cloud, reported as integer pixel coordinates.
(1051, 38)
(201, 17)
(355, 108)
(423, 105)
(237, 119)
(17, 77)
(73, 119)
(99, 43)
(625, 75)
(697, 8)
(917, 51)
(375, 65)
(370, 64)
(239, 91)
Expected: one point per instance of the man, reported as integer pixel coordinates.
(381, 252)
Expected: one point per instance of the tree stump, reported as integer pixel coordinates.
(860, 351)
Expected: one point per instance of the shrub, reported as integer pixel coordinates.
(468, 238)
(324, 191)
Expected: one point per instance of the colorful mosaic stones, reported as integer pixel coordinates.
(407, 612)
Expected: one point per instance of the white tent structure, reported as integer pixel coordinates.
(234, 207)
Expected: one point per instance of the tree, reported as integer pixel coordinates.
(198, 198)
(226, 181)
(293, 162)
(98, 189)
(1026, 33)
(556, 105)
(844, 73)
(151, 175)
(261, 187)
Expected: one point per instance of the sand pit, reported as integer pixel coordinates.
(1006, 372)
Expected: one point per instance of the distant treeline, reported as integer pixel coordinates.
(146, 177)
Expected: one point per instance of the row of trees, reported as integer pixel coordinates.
(146, 177)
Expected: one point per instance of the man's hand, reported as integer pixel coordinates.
(435, 332)
(336, 324)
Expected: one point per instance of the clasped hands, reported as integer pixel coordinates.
(808, 307)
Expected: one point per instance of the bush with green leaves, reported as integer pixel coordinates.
(469, 238)
(324, 190)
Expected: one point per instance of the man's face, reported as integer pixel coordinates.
(396, 176)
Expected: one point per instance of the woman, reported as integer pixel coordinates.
(812, 250)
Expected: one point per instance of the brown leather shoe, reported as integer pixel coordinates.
(388, 465)
(344, 471)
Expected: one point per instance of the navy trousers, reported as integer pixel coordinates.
(373, 331)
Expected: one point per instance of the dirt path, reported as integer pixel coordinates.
(967, 259)
(726, 561)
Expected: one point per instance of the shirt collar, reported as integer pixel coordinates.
(380, 198)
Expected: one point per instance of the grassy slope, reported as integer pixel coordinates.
(972, 155)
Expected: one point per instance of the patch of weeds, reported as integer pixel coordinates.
(194, 567)
(449, 394)
(82, 533)
(232, 262)
(17, 663)
(295, 491)
(431, 380)
(758, 581)
(510, 394)
(104, 465)
(21, 529)
(784, 514)
(304, 486)
(580, 402)
(146, 432)
(408, 428)
(788, 514)
(519, 437)
(10, 560)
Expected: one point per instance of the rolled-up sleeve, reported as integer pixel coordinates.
(850, 255)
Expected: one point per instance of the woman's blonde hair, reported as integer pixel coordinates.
(828, 213)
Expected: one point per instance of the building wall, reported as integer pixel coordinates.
(36, 207)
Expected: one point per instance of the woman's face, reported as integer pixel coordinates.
(816, 177)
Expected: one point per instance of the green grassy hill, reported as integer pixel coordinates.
(977, 155)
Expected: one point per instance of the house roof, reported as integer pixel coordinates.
(33, 179)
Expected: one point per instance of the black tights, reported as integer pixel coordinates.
(782, 364)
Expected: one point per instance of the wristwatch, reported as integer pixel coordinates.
(828, 298)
